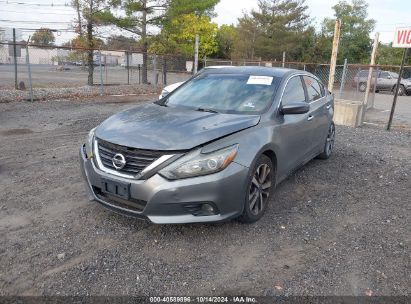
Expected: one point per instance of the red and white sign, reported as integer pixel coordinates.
(402, 37)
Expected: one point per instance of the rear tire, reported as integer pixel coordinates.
(259, 188)
(362, 86)
(329, 143)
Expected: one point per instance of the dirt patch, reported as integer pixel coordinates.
(335, 227)
(9, 132)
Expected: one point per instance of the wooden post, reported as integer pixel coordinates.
(334, 54)
(370, 72)
(283, 60)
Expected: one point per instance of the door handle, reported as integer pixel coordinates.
(310, 117)
(328, 106)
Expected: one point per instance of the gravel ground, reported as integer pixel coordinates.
(335, 227)
(11, 95)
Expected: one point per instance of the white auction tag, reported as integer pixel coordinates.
(264, 80)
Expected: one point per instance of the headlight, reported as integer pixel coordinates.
(89, 144)
(197, 163)
(164, 93)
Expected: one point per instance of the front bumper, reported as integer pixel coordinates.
(169, 202)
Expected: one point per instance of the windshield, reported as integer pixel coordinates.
(394, 75)
(226, 93)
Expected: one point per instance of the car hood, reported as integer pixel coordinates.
(155, 127)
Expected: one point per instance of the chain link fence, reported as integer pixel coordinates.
(63, 67)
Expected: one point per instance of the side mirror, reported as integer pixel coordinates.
(295, 108)
(389, 77)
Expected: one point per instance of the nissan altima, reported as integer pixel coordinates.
(213, 149)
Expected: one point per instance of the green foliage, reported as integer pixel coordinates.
(43, 36)
(198, 7)
(391, 56)
(119, 42)
(355, 43)
(247, 31)
(225, 38)
(277, 26)
(183, 34)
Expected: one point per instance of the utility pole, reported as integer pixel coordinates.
(397, 87)
(370, 75)
(196, 54)
(334, 54)
(283, 65)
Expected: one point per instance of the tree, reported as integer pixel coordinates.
(355, 43)
(43, 36)
(391, 56)
(275, 27)
(187, 26)
(281, 24)
(225, 38)
(137, 16)
(90, 12)
(247, 32)
(119, 42)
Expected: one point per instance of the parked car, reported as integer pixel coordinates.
(386, 81)
(213, 149)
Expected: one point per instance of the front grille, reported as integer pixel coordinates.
(132, 204)
(136, 159)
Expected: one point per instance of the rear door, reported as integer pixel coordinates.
(319, 113)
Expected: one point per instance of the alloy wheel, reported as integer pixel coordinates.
(260, 189)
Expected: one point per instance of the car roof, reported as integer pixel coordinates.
(250, 70)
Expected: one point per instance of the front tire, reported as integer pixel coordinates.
(260, 186)
(329, 143)
(401, 90)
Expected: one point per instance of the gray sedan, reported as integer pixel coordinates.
(213, 149)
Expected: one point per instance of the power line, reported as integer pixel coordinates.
(43, 13)
(35, 21)
(34, 4)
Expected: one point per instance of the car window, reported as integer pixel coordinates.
(314, 91)
(226, 93)
(394, 75)
(294, 91)
(385, 75)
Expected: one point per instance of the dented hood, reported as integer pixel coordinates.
(155, 127)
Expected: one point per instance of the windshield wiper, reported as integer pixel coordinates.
(163, 104)
(206, 110)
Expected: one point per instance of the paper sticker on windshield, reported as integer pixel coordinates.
(264, 80)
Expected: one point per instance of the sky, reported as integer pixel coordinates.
(58, 14)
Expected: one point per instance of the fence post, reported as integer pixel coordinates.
(15, 59)
(369, 78)
(29, 70)
(344, 75)
(101, 75)
(334, 54)
(128, 68)
(283, 65)
(196, 54)
(164, 70)
(375, 86)
(155, 80)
